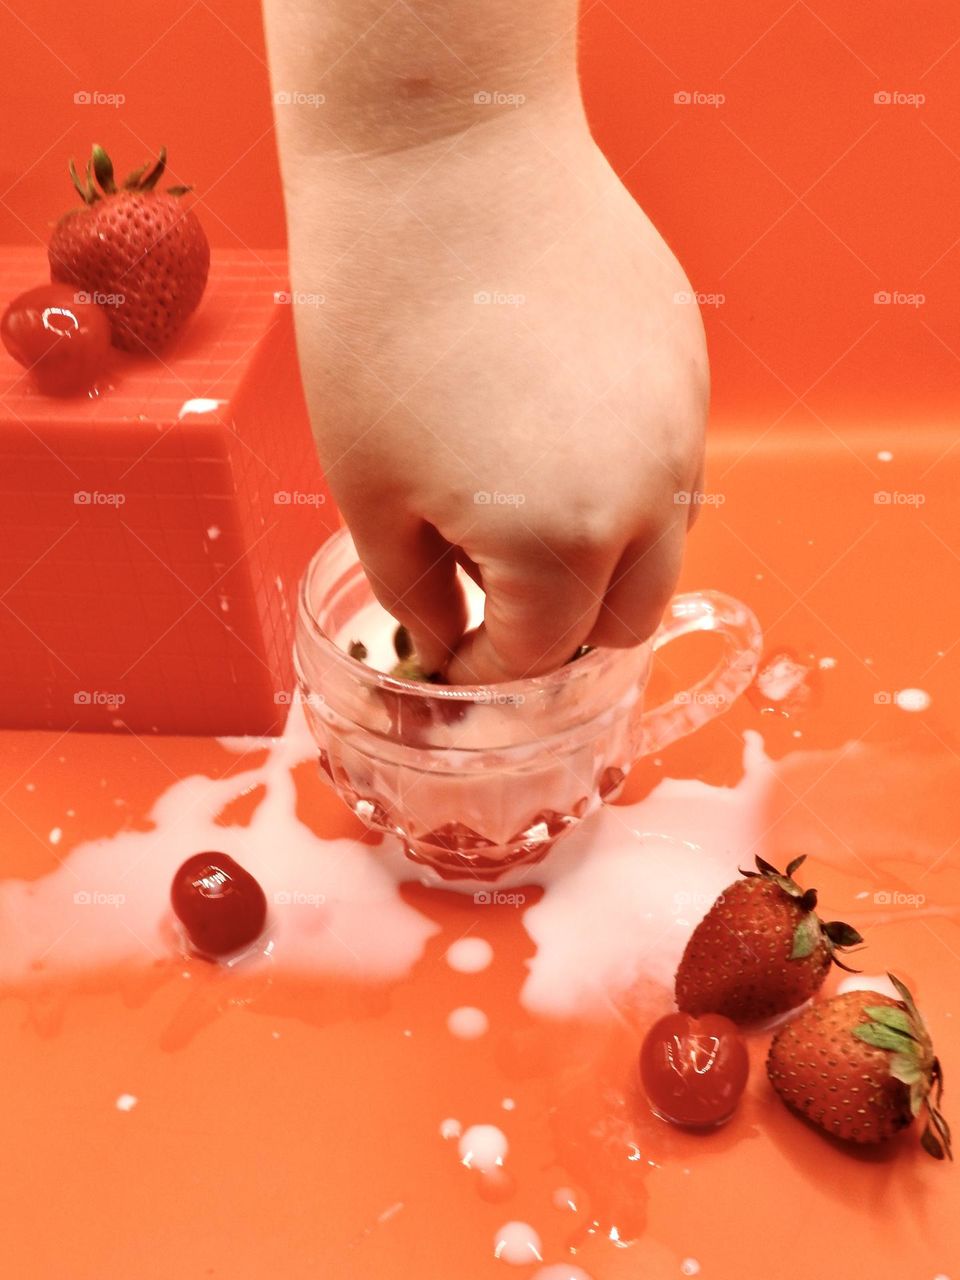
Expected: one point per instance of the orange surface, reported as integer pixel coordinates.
(249, 1155)
(797, 199)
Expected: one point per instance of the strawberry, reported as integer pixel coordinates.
(862, 1067)
(137, 251)
(760, 950)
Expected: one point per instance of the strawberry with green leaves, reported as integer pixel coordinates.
(761, 949)
(862, 1067)
(138, 252)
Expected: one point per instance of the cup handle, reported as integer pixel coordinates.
(716, 692)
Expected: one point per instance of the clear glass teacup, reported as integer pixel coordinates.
(475, 780)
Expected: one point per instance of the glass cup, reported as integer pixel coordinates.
(475, 780)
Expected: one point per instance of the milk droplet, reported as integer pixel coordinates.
(126, 1102)
(565, 1198)
(467, 1023)
(884, 456)
(483, 1147)
(517, 1243)
(469, 955)
(912, 699)
(561, 1271)
(508, 1104)
(213, 533)
(690, 1267)
(55, 835)
(450, 1128)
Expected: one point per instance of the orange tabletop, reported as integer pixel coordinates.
(163, 1116)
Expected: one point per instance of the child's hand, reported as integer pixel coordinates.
(501, 372)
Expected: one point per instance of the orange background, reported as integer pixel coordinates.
(797, 199)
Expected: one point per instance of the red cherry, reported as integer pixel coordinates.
(60, 335)
(221, 906)
(694, 1070)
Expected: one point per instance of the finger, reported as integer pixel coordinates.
(413, 573)
(537, 612)
(639, 589)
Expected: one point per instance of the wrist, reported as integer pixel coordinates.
(505, 175)
(367, 77)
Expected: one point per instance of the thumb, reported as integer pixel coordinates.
(413, 573)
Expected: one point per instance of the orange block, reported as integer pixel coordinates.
(152, 538)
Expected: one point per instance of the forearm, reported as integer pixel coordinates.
(365, 77)
(394, 195)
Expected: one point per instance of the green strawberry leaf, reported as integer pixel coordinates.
(883, 1037)
(842, 935)
(808, 900)
(178, 191)
(77, 182)
(132, 180)
(805, 937)
(904, 993)
(103, 169)
(931, 1143)
(148, 182)
(795, 865)
(890, 1016)
(905, 1068)
(942, 1128)
(766, 868)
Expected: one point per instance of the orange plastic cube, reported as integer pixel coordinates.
(152, 538)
